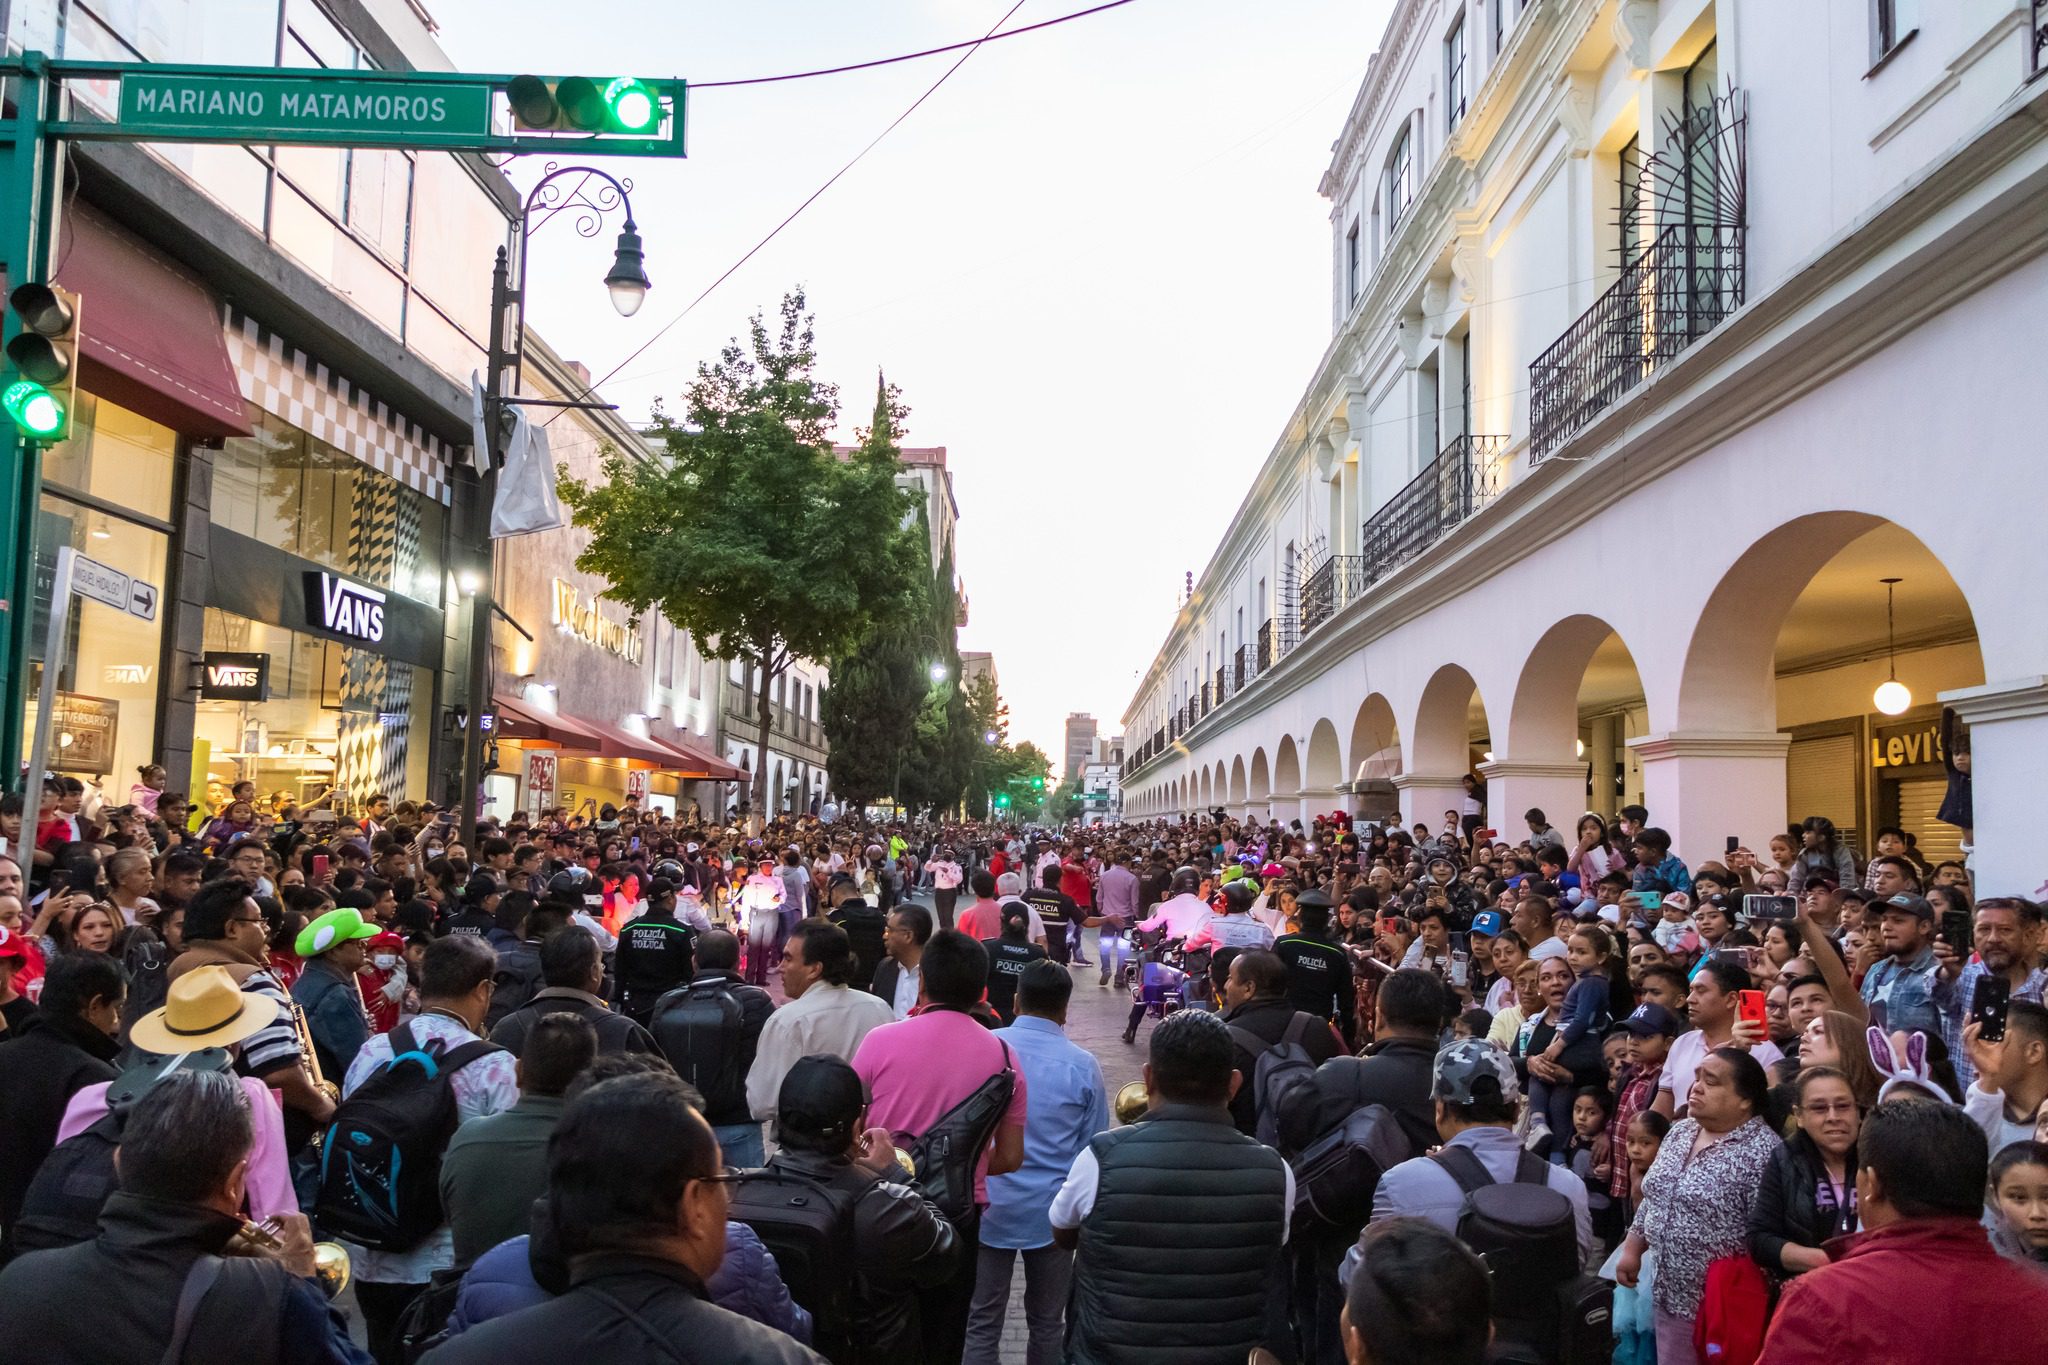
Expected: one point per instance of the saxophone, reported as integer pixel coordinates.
(309, 1057)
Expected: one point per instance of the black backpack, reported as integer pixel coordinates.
(63, 1202)
(1544, 1308)
(1336, 1176)
(807, 1225)
(946, 1156)
(514, 984)
(699, 1029)
(1280, 1067)
(148, 961)
(380, 1164)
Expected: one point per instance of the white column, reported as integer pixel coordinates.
(1425, 797)
(1513, 789)
(1702, 787)
(1600, 756)
(2008, 768)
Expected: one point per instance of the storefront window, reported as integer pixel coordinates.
(337, 716)
(104, 726)
(118, 456)
(285, 488)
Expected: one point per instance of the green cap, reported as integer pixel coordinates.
(332, 929)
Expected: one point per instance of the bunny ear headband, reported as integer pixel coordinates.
(1905, 1070)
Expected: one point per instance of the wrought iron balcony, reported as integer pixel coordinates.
(2037, 39)
(1269, 639)
(1454, 485)
(1685, 284)
(1324, 592)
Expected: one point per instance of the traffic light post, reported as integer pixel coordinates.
(164, 102)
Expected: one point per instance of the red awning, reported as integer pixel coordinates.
(694, 762)
(519, 720)
(152, 338)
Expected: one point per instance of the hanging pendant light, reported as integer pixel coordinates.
(1892, 696)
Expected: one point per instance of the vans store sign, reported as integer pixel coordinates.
(234, 677)
(353, 611)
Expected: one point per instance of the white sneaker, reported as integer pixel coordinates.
(1538, 1137)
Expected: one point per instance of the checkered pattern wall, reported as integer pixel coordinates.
(287, 383)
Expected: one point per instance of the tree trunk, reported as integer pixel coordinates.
(764, 715)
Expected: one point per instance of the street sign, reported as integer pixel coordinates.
(250, 108)
(90, 578)
(142, 599)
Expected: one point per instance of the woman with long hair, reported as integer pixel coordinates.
(1836, 1040)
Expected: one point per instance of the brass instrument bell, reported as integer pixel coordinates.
(1132, 1103)
(909, 1166)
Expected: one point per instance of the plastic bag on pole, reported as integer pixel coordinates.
(526, 500)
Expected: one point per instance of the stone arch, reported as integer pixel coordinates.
(1375, 740)
(1543, 716)
(1440, 740)
(1286, 768)
(1238, 790)
(1261, 777)
(1325, 770)
(1206, 789)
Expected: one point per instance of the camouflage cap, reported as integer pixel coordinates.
(1473, 1069)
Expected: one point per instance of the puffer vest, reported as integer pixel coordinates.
(1176, 1254)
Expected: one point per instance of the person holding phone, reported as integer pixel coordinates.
(1712, 1006)
(2007, 933)
(2012, 1074)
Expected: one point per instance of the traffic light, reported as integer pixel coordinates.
(580, 104)
(45, 351)
(1038, 784)
(1002, 800)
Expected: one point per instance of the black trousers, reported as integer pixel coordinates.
(942, 1309)
(383, 1305)
(943, 900)
(1317, 1251)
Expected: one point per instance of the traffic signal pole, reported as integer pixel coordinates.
(30, 188)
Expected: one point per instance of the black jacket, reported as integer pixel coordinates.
(1319, 978)
(902, 1244)
(656, 954)
(133, 1273)
(864, 926)
(1394, 1072)
(1788, 1204)
(54, 1058)
(1267, 1019)
(615, 1032)
(586, 1324)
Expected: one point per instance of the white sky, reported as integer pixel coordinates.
(1095, 261)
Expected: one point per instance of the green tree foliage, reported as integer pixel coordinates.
(747, 531)
(942, 752)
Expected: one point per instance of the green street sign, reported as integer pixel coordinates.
(274, 108)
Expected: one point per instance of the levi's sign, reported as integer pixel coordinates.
(352, 610)
(249, 108)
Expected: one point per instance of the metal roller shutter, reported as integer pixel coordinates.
(1918, 800)
(1820, 779)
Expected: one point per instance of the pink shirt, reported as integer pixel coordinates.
(920, 1068)
(270, 1177)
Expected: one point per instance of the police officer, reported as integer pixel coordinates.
(655, 953)
(1318, 968)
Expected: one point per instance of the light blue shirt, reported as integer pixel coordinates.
(1066, 1103)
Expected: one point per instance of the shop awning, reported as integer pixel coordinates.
(152, 338)
(694, 762)
(519, 720)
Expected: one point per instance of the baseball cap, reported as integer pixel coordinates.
(331, 930)
(1651, 1018)
(11, 944)
(657, 887)
(822, 1095)
(1907, 903)
(1471, 1070)
(1487, 923)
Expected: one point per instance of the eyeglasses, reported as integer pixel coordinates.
(243, 919)
(727, 1175)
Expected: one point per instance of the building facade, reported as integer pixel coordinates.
(1101, 789)
(1080, 744)
(798, 762)
(1666, 334)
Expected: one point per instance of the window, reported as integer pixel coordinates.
(1400, 167)
(1351, 264)
(1629, 200)
(1454, 75)
(1892, 22)
(1499, 10)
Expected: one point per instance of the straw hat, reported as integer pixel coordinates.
(205, 1008)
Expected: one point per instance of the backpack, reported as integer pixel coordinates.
(380, 1163)
(62, 1204)
(699, 1029)
(1544, 1309)
(807, 1226)
(1280, 1067)
(946, 1156)
(149, 980)
(514, 984)
(1735, 1309)
(1336, 1176)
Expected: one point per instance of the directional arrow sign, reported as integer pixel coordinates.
(142, 599)
(90, 578)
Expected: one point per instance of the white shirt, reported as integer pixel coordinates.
(1180, 917)
(1076, 1199)
(1549, 948)
(908, 982)
(823, 1019)
(1688, 1050)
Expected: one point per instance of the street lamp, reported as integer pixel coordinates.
(627, 284)
(939, 673)
(989, 737)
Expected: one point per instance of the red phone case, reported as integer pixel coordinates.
(1750, 1005)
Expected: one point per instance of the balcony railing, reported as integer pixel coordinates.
(1269, 640)
(1683, 287)
(2037, 39)
(1457, 483)
(1324, 592)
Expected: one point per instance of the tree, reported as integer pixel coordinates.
(941, 757)
(748, 532)
(870, 707)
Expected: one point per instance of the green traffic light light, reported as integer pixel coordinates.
(632, 104)
(34, 409)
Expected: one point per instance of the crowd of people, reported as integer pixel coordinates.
(672, 1089)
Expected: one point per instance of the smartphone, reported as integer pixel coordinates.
(1461, 941)
(1956, 932)
(1734, 842)
(1390, 924)
(635, 845)
(320, 865)
(1649, 900)
(1989, 1007)
(1746, 956)
(1749, 1006)
(1767, 908)
(1461, 968)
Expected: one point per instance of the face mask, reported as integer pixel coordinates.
(385, 961)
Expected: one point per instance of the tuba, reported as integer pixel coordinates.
(1132, 1103)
